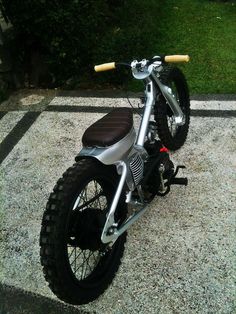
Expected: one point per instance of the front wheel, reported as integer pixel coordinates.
(76, 264)
(171, 135)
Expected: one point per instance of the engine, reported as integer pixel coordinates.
(158, 170)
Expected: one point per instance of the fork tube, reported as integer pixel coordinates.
(147, 112)
(110, 217)
(171, 100)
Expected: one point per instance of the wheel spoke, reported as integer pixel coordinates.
(92, 200)
(96, 193)
(90, 254)
(74, 261)
(71, 253)
(84, 195)
(85, 264)
(99, 204)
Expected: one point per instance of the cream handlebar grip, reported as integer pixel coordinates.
(177, 58)
(105, 67)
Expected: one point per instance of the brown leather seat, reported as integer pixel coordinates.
(110, 129)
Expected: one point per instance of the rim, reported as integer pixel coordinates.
(83, 262)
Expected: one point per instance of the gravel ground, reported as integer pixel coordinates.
(179, 258)
(8, 122)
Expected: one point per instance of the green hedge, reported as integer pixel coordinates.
(73, 35)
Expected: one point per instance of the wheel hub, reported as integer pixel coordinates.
(86, 229)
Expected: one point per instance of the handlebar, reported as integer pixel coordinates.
(169, 59)
(105, 67)
(177, 58)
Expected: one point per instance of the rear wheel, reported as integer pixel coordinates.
(171, 135)
(77, 265)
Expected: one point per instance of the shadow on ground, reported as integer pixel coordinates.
(17, 301)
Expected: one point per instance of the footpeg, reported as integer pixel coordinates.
(178, 181)
(177, 170)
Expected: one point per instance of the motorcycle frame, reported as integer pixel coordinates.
(119, 153)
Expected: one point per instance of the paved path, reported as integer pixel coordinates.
(180, 257)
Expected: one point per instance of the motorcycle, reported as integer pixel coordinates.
(86, 219)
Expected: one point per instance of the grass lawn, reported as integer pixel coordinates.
(206, 30)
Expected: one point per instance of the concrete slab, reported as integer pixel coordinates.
(93, 101)
(180, 257)
(118, 102)
(214, 104)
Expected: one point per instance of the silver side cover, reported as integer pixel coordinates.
(111, 154)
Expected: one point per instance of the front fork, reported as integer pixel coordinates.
(111, 230)
(171, 100)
